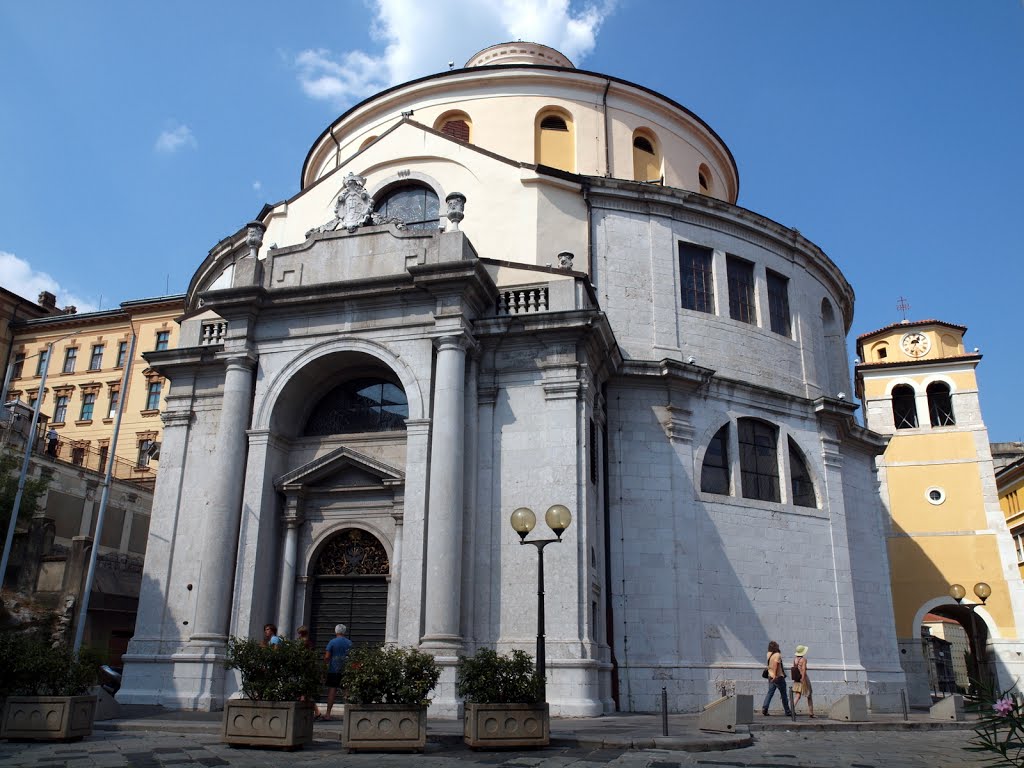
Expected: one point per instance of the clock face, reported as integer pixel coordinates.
(915, 344)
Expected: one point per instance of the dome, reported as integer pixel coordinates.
(519, 53)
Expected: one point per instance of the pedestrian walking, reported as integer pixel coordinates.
(335, 656)
(776, 675)
(801, 682)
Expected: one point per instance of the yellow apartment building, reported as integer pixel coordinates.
(918, 386)
(1009, 463)
(84, 380)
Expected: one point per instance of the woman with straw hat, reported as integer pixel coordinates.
(802, 684)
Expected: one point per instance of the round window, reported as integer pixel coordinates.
(935, 495)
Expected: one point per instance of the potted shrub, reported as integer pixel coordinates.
(46, 690)
(386, 704)
(502, 695)
(279, 684)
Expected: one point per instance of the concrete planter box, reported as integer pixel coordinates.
(287, 724)
(381, 727)
(507, 725)
(48, 718)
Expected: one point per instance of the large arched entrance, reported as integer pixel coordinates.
(350, 587)
(954, 641)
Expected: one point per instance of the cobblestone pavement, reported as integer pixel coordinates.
(863, 749)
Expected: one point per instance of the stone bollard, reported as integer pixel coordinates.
(852, 708)
(949, 708)
(726, 713)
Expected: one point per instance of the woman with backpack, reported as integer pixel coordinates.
(776, 676)
(801, 682)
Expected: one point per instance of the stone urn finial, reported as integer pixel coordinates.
(254, 236)
(565, 260)
(456, 209)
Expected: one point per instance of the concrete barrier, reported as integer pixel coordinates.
(852, 708)
(949, 708)
(726, 713)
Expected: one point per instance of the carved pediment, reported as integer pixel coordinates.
(341, 469)
(354, 209)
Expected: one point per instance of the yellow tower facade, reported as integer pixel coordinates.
(918, 385)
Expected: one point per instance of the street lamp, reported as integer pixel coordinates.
(558, 517)
(983, 591)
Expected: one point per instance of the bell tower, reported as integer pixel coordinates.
(950, 551)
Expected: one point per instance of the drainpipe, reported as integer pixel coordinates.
(337, 155)
(607, 145)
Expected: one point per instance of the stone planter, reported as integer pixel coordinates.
(382, 727)
(48, 718)
(287, 724)
(507, 725)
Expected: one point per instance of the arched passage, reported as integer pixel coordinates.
(954, 645)
(350, 587)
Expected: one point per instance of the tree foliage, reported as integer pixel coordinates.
(490, 678)
(10, 469)
(287, 671)
(389, 674)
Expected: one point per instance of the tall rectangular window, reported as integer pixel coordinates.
(778, 303)
(70, 355)
(759, 461)
(19, 365)
(96, 361)
(696, 278)
(88, 403)
(42, 362)
(162, 339)
(60, 410)
(115, 395)
(122, 352)
(740, 274)
(153, 397)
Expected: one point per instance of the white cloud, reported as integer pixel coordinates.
(19, 277)
(257, 186)
(173, 139)
(417, 40)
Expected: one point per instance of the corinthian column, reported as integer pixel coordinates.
(444, 525)
(292, 521)
(224, 506)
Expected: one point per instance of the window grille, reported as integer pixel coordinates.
(904, 407)
(740, 274)
(698, 286)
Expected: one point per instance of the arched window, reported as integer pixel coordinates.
(359, 405)
(704, 179)
(759, 460)
(416, 205)
(646, 158)
(555, 144)
(940, 405)
(904, 407)
(800, 478)
(714, 474)
(455, 124)
(367, 142)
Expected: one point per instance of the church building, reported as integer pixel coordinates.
(519, 284)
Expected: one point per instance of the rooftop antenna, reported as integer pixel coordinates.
(167, 285)
(903, 306)
(451, 64)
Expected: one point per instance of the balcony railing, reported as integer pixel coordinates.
(212, 332)
(521, 299)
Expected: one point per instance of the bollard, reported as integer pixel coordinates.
(664, 712)
(792, 706)
(903, 698)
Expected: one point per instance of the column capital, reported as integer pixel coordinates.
(246, 360)
(453, 341)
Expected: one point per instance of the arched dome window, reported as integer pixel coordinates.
(759, 459)
(940, 405)
(555, 140)
(714, 474)
(367, 142)
(646, 158)
(704, 183)
(359, 405)
(904, 407)
(455, 124)
(416, 205)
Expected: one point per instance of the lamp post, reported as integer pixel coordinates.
(558, 518)
(982, 591)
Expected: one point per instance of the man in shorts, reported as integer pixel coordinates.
(335, 655)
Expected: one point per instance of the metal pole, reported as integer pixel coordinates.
(24, 464)
(111, 457)
(7, 384)
(903, 697)
(541, 655)
(664, 711)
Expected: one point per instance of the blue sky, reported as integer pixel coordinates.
(134, 136)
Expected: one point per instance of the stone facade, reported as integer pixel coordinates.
(538, 350)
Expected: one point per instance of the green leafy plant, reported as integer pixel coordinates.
(490, 678)
(287, 671)
(1000, 729)
(388, 674)
(30, 666)
(10, 466)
